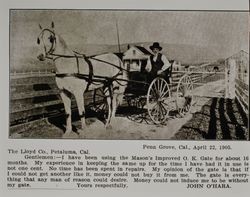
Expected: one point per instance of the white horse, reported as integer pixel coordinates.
(76, 73)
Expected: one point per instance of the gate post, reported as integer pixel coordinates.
(230, 76)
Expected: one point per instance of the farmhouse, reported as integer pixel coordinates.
(136, 57)
(176, 65)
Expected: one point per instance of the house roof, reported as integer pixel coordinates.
(143, 50)
(238, 54)
(141, 54)
(120, 55)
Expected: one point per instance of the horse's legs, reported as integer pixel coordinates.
(114, 105)
(67, 106)
(117, 100)
(109, 103)
(81, 108)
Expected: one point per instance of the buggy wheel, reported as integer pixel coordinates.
(158, 100)
(184, 95)
(100, 101)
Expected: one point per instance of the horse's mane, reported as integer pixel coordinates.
(63, 45)
(62, 41)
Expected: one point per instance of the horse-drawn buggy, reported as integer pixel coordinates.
(112, 82)
(159, 95)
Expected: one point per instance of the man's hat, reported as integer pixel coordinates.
(155, 45)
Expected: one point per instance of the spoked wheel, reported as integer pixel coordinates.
(158, 100)
(184, 95)
(100, 101)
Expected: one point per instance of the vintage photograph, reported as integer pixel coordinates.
(129, 74)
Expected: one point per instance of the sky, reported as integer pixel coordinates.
(226, 30)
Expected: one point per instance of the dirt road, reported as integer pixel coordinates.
(138, 126)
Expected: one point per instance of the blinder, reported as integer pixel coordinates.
(52, 39)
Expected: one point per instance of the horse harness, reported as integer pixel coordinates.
(90, 78)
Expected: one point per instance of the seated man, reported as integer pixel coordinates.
(158, 64)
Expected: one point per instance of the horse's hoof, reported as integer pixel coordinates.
(108, 127)
(69, 135)
(82, 134)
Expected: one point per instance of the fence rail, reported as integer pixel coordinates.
(31, 74)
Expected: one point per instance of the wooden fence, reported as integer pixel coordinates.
(21, 74)
(35, 95)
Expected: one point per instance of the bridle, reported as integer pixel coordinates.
(52, 41)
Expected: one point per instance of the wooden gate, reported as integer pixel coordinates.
(237, 78)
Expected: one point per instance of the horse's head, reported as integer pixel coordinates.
(47, 42)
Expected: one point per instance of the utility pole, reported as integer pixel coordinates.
(118, 38)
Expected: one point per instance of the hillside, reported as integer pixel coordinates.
(185, 53)
(189, 54)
